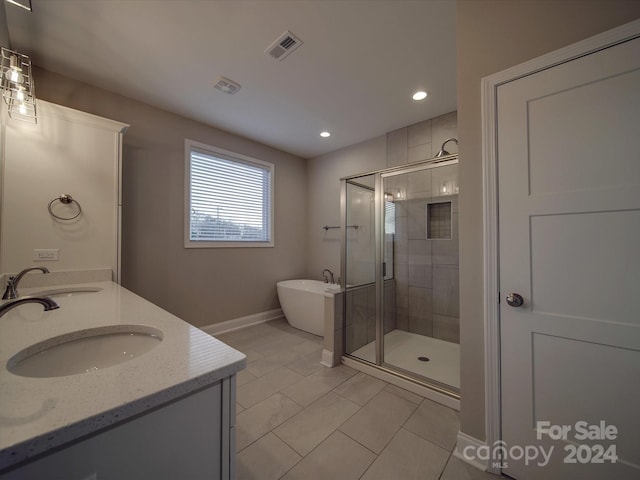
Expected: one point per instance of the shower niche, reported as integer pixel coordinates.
(439, 220)
(401, 302)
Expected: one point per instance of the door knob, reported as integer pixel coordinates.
(514, 300)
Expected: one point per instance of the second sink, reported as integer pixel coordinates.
(65, 291)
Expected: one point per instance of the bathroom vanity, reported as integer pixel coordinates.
(166, 411)
(108, 386)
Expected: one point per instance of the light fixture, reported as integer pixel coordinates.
(26, 4)
(14, 72)
(420, 95)
(17, 85)
(325, 134)
(449, 187)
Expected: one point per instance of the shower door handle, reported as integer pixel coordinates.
(514, 300)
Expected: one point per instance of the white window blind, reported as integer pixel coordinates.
(389, 217)
(229, 199)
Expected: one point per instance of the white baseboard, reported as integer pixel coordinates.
(327, 358)
(471, 444)
(242, 322)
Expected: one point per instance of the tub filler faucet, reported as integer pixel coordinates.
(11, 292)
(325, 278)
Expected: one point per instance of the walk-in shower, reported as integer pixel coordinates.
(400, 271)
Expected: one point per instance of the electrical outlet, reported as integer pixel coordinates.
(45, 254)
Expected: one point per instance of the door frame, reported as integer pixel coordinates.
(491, 252)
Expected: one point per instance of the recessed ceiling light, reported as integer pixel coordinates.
(420, 95)
(325, 134)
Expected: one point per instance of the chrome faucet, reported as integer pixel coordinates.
(324, 277)
(12, 284)
(47, 302)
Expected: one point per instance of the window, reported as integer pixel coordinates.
(389, 217)
(229, 199)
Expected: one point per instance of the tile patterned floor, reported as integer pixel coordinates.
(300, 420)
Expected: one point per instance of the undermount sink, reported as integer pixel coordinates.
(65, 291)
(84, 351)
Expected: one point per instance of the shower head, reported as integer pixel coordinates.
(443, 152)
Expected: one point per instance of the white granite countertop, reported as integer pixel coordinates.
(38, 414)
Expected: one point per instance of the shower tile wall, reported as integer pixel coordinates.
(427, 274)
(421, 140)
(361, 314)
(425, 271)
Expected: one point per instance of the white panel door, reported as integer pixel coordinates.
(569, 216)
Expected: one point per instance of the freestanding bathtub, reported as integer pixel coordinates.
(302, 302)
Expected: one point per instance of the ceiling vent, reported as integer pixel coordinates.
(226, 85)
(283, 46)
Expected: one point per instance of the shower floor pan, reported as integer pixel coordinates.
(402, 350)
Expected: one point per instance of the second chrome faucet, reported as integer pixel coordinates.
(11, 292)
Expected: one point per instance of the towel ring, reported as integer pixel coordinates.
(65, 199)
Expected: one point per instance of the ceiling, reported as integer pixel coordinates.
(354, 74)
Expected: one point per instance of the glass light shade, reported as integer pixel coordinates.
(26, 4)
(18, 90)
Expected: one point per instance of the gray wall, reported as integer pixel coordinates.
(202, 286)
(493, 35)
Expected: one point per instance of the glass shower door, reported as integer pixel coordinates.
(420, 298)
(359, 268)
(400, 270)
(405, 194)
